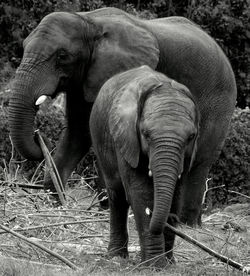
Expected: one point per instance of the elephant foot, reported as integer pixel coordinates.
(118, 247)
(118, 252)
(158, 262)
(170, 257)
(169, 236)
(152, 250)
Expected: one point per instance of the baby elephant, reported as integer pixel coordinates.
(144, 129)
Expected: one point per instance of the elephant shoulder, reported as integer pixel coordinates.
(175, 21)
(104, 12)
(178, 20)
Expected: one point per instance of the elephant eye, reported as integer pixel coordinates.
(145, 134)
(62, 55)
(191, 137)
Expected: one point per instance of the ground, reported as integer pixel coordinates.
(81, 234)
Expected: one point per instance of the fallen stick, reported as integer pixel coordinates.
(9, 261)
(19, 185)
(76, 210)
(55, 177)
(59, 224)
(224, 259)
(61, 258)
(237, 193)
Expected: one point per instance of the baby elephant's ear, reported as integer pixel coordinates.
(122, 124)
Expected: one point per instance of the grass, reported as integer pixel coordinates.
(84, 244)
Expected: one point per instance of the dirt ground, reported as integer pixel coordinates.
(79, 231)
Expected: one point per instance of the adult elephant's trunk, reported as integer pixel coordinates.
(28, 85)
(165, 165)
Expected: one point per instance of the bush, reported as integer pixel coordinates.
(19, 18)
(232, 167)
(50, 120)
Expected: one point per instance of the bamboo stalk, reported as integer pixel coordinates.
(60, 224)
(213, 253)
(21, 185)
(55, 177)
(61, 258)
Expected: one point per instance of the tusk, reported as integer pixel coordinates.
(148, 211)
(150, 173)
(41, 99)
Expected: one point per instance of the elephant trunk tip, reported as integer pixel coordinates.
(28, 147)
(155, 226)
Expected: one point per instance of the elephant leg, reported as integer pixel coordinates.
(101, 189)
(69, 152)
(118, 244)
(169, 237)
(192, 194)
(152, 245)
(75, 141)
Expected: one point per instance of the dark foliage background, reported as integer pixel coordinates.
(227, 21)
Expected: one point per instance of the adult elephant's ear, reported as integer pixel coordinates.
(122, 46)
(124, 113)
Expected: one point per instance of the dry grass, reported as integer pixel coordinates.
(32, 213)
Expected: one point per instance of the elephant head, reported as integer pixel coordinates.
(156, 117)
(74, 53)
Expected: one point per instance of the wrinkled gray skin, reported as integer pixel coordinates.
(77, 53)
(144, 128)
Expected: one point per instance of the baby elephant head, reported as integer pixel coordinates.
(157, 117)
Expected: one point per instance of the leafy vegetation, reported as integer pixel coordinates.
(231, 172)
(50, 120)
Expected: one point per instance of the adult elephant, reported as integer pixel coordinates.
(78, 52)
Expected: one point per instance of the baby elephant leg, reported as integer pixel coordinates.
(173, 220)
(169, 237)
(118, 245)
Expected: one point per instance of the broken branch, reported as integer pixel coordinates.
(213, 253)
(61, 258)
(55, 177)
